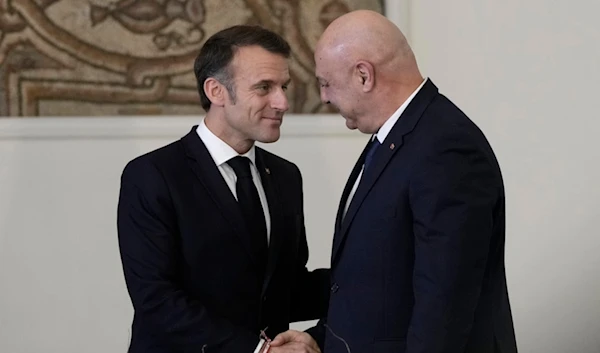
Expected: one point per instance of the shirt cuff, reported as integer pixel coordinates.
(260, 344)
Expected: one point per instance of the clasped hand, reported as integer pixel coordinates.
(293, 341)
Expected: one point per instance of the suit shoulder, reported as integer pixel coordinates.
(443, 120)
(449, 117)
(153, 161)
(445, 127)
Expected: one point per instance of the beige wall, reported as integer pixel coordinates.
(528, 72)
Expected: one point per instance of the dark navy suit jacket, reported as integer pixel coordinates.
(188, 264)
(418, 260)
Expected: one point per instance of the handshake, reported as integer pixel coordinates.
(291, 341)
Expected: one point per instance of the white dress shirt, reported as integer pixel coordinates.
(221, 153)
(381, 135)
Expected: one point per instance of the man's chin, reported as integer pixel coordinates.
(350, 124)
(271, 137)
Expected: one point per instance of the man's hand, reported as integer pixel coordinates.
(294, 341)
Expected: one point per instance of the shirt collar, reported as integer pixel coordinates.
(389, 124)
(220, 151)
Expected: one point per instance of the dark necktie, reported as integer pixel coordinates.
(251, 207)
(371, 152)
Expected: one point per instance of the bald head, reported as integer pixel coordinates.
(368, 35)
(365, 68)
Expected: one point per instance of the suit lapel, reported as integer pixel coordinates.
(275, 212)
(349, 184)
(207, 172)
(393, 142)
(380, 160)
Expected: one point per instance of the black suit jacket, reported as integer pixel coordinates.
(418, 260)
(190, 273)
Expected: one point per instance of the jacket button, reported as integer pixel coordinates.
(264, 298)
(334, 288)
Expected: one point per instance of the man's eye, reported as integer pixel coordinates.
(284, 88)
(264, 88)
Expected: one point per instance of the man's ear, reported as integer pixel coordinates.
(215, 91)
(365, 73)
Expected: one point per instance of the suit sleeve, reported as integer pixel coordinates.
(310, 290)
(453, 197)
(150, 254)
(318, 332)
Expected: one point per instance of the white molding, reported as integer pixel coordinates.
(140, 127)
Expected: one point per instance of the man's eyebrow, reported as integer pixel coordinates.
(271, 82)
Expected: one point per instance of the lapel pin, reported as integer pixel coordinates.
(268, 171)
(392, 146)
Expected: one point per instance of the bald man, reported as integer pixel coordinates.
(418, 252)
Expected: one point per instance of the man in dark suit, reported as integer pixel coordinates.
(211, 228)
(418, 252)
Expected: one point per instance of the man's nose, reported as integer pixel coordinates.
(279, 101)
